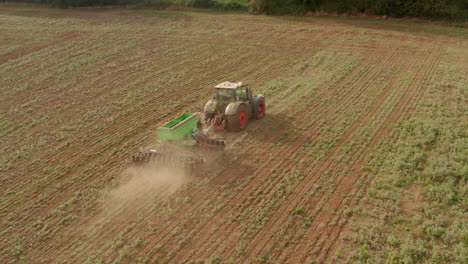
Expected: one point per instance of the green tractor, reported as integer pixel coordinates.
(184, 143)
(233, 106)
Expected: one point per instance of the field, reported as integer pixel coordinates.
(363, 148)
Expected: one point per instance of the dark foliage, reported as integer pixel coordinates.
(452, 9)
(449, 9)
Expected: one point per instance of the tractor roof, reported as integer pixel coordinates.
(229, 85)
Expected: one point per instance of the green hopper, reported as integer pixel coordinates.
(180, 129)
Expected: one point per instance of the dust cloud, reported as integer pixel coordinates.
(139, 190)
(137, 193)
(147, 181)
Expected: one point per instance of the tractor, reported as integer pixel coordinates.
(184, 141)
(232, 106)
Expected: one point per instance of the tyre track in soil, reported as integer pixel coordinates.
(220, 180)
(226, 69)
(270, 72)
(293, 165)
(384, 98)
(402, 111)
(278, 166)
(354, 165)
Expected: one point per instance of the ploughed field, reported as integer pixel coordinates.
(82, 89)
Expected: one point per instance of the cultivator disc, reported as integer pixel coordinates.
(176, 155)
(143, 157)
(168, 158)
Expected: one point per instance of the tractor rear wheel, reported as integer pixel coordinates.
(239, 120)
(259, 109)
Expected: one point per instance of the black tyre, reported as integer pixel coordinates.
(238, 121)
(259, 109)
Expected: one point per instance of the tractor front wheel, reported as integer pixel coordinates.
(239, 120)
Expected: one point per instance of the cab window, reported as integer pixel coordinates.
(224, 94)
(242, 94)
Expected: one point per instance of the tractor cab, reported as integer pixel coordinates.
(232, 91)
(232, 106)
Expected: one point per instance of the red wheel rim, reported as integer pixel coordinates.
(242, 118)
(261, 109)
